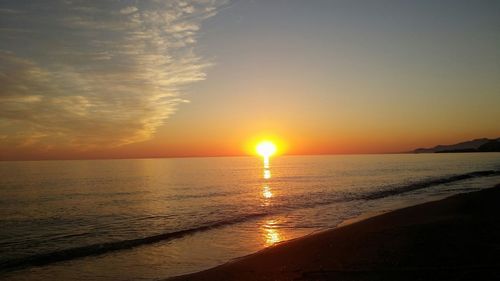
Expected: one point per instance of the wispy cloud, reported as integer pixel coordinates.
(90, 74)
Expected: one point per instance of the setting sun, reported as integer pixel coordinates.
(266, 149)
(245, 124)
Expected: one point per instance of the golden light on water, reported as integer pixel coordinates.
(266, 149)
(267, 174)
(271, 234)
(266, 192)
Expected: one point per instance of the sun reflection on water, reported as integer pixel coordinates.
(271, 233)
(266, 192)
(267, 174)
(266, 162)
(269, 229)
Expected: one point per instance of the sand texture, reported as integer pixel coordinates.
(457, 238)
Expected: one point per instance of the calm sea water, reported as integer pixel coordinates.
(149, 219)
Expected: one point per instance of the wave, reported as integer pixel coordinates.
(426, 184)
(326, 198)
(103, 248)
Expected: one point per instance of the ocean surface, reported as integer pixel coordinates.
(148, 219)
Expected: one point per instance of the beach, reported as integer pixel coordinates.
(457, 238)
(159, 218)
(249, 140)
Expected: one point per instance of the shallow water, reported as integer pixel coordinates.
(154, 218)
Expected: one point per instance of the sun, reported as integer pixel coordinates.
(266, 149)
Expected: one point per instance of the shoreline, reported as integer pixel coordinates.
(456, 238)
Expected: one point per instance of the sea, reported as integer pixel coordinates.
(150, 219)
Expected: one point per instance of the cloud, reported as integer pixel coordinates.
(128, 10)
(86, 74)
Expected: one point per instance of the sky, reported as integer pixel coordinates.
(127, 79)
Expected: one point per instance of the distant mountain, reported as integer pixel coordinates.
(491, 146)
(477, 145)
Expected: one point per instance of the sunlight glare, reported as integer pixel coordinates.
(271, 233)
(266, 192)
(266, 149)
(267, 174)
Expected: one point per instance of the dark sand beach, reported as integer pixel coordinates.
(457, 238)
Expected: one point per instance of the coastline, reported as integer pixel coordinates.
(456, 238)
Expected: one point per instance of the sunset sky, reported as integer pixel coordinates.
(118, 79)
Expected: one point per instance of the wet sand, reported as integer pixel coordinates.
(457, 238)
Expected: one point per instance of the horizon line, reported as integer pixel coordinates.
(200, 156)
